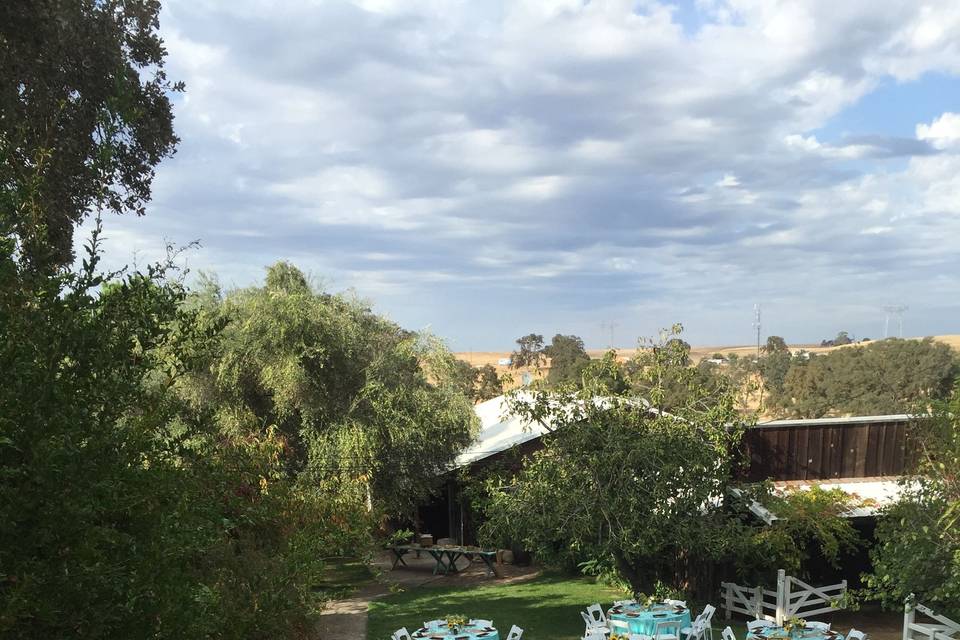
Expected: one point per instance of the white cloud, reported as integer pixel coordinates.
(599, 152)
(942, 133)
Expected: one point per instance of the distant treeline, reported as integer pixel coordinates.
(872, 378)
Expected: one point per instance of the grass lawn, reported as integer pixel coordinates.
(546, 607)
(343, 576)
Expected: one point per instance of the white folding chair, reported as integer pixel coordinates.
(596, 633)
(593, 628)
(481, 623)
(675, 603)
(707, 616)
(623, 603)
(854, 634)
(728, 634)
(595, 611)
(515, 633)
(433, 623)
(401, 634)
(753, 625)
(696, 631)
(667, 630)
(816, 624)
(619, 627)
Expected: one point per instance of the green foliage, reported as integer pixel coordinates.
(776, 344)
(489, 384)
(123, 511)
(774, 366)
(567, 360)
(918, 538)
(805, 520)
(477, 383)
(530, 353)
(662, 373)
(883, 377)
(621, 481)
(84, 117)
(360, 404)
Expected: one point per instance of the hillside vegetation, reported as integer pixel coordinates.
(790, 381)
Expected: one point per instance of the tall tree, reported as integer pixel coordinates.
(776, 344)
(85, 117)
(618, 480)
(530, 353)
(358, 400)
(568, 359)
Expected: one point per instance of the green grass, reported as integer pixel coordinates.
(546, 608)
(343, 576)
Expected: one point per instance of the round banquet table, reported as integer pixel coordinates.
(643, 619)
(779, 633)
(467, 632)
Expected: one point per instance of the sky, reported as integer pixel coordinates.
(490, 169)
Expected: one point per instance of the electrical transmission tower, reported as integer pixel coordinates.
(756, 325)
(895, 310)
(611, 327)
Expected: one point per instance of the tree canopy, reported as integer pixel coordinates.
(619, 480)
(85, 117)
(354, 397)
(530, 352)
(886, 376)
(622, 487)
(568, 358)
(918, 537)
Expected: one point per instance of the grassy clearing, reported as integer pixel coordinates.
(545, 607)
(342, 577)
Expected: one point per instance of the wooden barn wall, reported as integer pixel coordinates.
(827, 451)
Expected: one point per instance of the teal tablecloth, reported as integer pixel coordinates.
(468, 632)
(643, 619)
(779, 633)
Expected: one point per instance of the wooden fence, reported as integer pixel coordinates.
(828, 449)
(793, 597)
(942, 629)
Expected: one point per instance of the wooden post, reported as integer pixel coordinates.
(728, 600)
(781, 597)
(908, 615)
(758, 601)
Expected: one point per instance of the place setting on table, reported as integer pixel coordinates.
(645, 614)
(457, 628)
(795, 629)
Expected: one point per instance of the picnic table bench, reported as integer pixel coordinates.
(445, 557)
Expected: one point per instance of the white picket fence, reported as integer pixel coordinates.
(793, 597)
(913, 630)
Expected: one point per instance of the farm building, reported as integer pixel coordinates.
(863, 456)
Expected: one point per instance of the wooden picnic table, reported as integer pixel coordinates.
(445, 557)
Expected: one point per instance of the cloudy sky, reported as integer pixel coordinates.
(488, 169)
